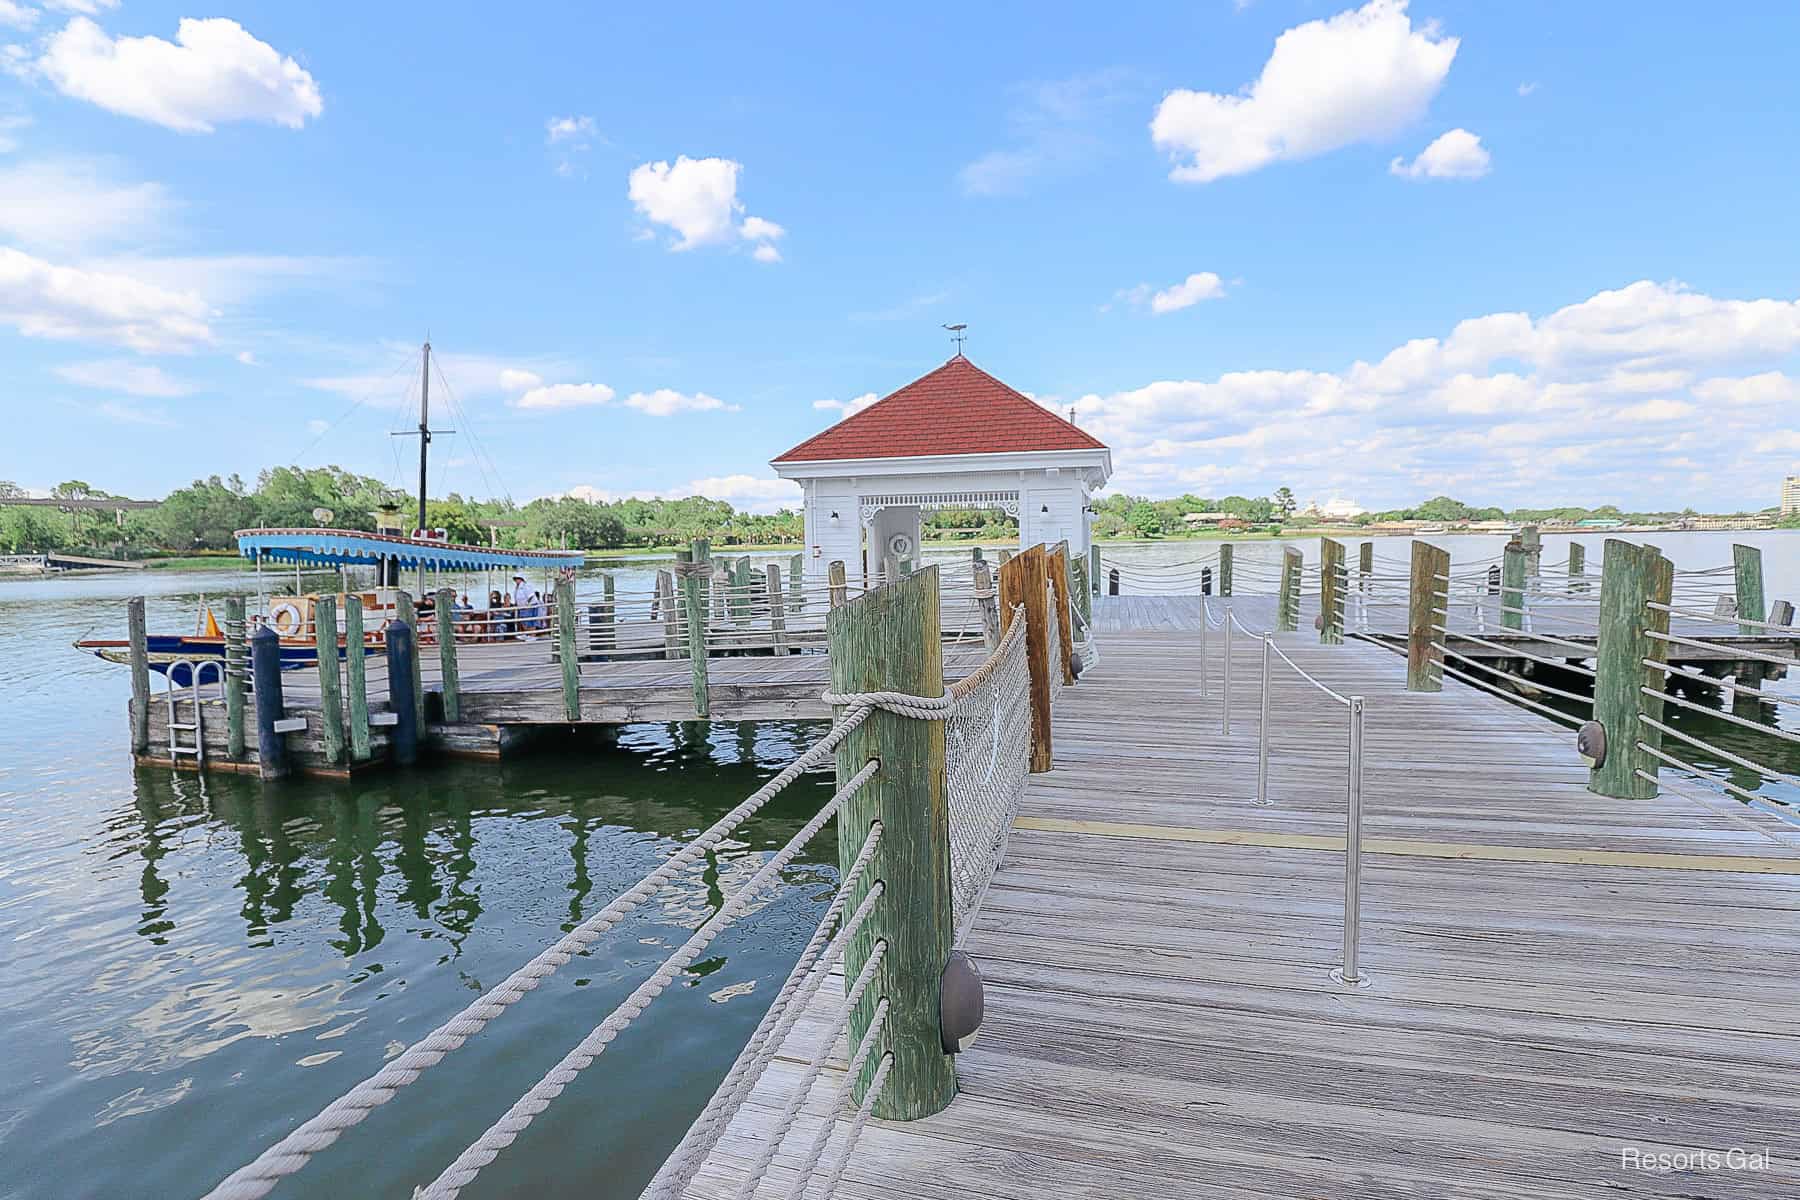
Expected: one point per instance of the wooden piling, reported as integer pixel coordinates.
(666, 607)
(445, 619)
(796, 584)
(1093, 560)
(406, 614)
(1513, 563)
(140, 675)
(1577, 566)
(1632, 577)
(265, 667)
(690, 563)
(1225, 565)
(989, 602)
(1112, 582)
(1426, 606)
(1022, 583)
(608, 632)
(1287, 602)
(1365, 565)
(1056, 569)
(566, 649)
(1331, 592)
(740, 590)
(777, 610)
(1747, 567)
(1078, 586)
(356, 668)
(1532, 542)
(834, 579)
(889, 640)
(237, 665)
(331, 697)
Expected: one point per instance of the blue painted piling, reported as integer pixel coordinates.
(404, 743)
(265, 673)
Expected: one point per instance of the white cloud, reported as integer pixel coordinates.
(1055, 130)
(1202, 285)
(664, 402)
(134, 379)
(512, 379)
(247, 358)
(696, 198)
(228, 279)
(565, 395)
(1355, 77)
(748, 491)
(766, 254)
(214, 71)
(88, 8)
(570, 129)
(1457, 154)
(68, 204)
(1597, 401)
(1528, 87)
(846, 408)
(44, 300)
(10, 126)
(17, 16)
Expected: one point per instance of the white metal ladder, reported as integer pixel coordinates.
(198, 725)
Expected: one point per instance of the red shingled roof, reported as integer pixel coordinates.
(956, 409)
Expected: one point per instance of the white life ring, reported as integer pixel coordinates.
(287, 618)
(900, 545)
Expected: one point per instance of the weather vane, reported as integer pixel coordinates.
(958, 336)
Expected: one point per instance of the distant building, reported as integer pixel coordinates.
(1197, 519)
(1600, 523)
(1790, 495)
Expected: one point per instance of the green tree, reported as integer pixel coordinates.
(1284, 502)
(1144, 520)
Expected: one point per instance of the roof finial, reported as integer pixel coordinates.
(958, 336)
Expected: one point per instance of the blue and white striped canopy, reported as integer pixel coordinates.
(350, 548)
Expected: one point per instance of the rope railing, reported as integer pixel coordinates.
(988, 734)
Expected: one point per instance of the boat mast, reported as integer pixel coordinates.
(424, 428)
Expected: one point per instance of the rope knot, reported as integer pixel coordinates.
(905, 704)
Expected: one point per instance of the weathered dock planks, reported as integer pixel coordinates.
(1558, 976)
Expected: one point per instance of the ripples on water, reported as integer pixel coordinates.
(194, 964)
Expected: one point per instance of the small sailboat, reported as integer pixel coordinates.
(392, 553)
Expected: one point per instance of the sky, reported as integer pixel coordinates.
(1523, 253)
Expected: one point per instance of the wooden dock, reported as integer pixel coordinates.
(1563, 984)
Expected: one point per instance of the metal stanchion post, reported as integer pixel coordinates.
(1349, 973)
(1262, 731)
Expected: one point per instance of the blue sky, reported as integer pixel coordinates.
(1517, 253)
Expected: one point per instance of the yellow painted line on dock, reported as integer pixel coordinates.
(1747, 864)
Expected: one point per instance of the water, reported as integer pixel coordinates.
(193, 965)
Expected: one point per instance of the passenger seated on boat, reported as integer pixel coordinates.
(524, 601)
(465, 616)
(496, 616)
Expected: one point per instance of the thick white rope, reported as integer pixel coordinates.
(802, 985)
(506, 1130)
(816, 1151)
(293, 1151)
(924, 708)
(856, 1126)
(816, 1067)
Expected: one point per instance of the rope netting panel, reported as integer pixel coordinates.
(987, 759)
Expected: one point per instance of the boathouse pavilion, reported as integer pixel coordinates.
(953, 438)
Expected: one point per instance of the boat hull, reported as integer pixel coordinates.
(181, 657)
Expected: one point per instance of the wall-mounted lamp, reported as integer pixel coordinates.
(1044, 508)
(834, 518)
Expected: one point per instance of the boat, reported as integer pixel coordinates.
(393, 555)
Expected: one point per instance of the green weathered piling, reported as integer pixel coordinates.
(237, 666)
(1365, 564)
(1426, 607)
(1225, 562)
(331, 698)
(1083, 598)
(1331, 591)
(1512, 586)
(1747, 564)
(740, 590)
(835, 582)
(1287, 602)
(777, 611)
(1532, 542)
(406, 615)
(888, 640)
(445, 620)
(357, 669)
(689, 564)
(1625, 689)
(1093, 567)
(606, 635)
(1577, 566)
(140, 675)
(566, 650)
(796, 583)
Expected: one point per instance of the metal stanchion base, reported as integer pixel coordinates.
(1360, 983)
